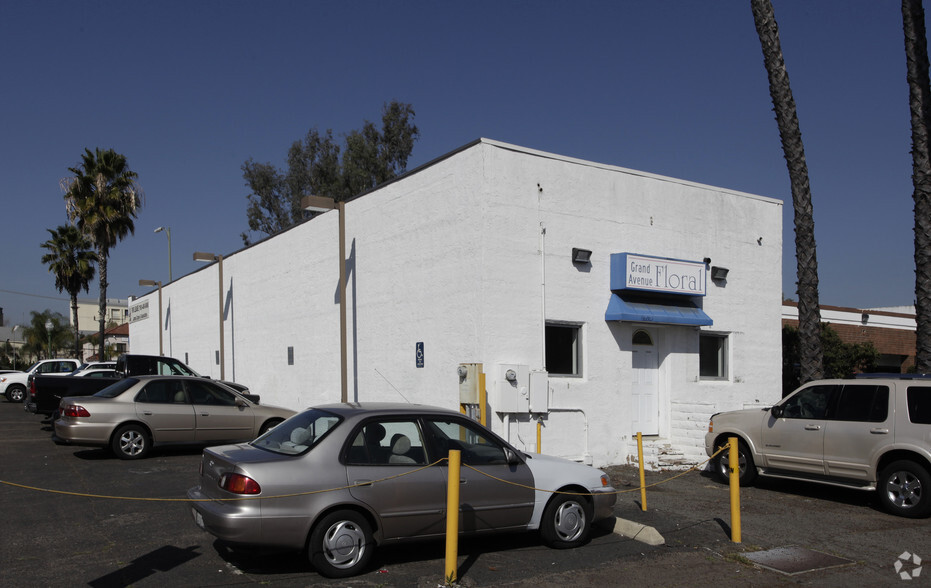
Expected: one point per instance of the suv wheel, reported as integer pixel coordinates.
(747, 469)
(904, 488)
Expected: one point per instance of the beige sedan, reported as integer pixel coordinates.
(135, 414)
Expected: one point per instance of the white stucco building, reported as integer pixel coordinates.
(470, 259)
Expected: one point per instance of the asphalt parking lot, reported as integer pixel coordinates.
(51, 539)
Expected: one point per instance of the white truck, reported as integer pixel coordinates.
(13, 385)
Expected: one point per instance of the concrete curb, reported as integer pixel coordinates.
(638, 532)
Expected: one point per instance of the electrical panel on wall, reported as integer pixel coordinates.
(513, 388)
(468, 382)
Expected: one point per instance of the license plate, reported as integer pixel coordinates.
(198, 518)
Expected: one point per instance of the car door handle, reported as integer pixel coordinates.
(362, 483)
(147, 412)
(812, 427)
(879, 431)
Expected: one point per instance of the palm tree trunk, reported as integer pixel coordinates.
(77, 332)
(102, 302)
(919, 99)
(809, 313)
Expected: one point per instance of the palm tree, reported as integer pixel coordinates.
(71, 260)
(101, 199)
(809, 313)
(919, 99)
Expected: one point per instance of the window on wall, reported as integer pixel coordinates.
(564, 349)
(712, 356)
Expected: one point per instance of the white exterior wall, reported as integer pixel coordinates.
(450, 256)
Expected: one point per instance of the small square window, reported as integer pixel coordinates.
(563, 349)
(712, 356)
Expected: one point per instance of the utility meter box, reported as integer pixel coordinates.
(539, 391)
(468, 382)
(513, 388)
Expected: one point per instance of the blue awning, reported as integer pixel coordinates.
(661, 312)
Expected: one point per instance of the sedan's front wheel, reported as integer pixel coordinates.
(341, 544)
(566, 522)
(131, 442)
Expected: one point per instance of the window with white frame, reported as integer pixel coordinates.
(712, 356)
(564, 349)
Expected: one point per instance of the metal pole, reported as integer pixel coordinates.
(452, 516)
(733, 463)
(643, 486)
(222, 354)
(160, 352)
(343, 353)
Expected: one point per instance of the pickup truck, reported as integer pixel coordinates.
(46, 393)
(14, 385)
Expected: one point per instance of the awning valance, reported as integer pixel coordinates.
(666, 312)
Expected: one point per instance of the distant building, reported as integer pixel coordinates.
(890, 330)
(117, 314)
(117, 342)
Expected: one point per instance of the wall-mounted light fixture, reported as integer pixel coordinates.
(581, 255)
(718, 273)
(865, 318)
(159, 284)
(210, 257)
(322, 204)
(510, 376)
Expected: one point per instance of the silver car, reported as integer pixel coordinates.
(339, 479)
(135, 414)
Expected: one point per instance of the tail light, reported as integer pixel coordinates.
(239, 484)
(74, 411)
(32, 389)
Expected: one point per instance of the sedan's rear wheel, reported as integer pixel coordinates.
(566, 522)
(131, 442)
(904, 488)
(341, 544)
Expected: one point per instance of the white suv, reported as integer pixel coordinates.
(868, 433)
(13, 385)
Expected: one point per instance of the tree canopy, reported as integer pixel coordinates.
(317, 165)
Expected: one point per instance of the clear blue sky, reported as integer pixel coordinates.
(190, 90)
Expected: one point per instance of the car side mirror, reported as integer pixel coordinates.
(776, 411)
(512, 457)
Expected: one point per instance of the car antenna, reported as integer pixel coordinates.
(392, 385)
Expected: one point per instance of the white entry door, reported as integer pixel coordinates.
(645, 385)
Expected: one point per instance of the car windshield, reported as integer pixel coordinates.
(299, 433)
(114, 390)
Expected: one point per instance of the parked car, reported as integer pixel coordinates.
(135, 414)
(95, 365)
(869, 434)
(14, 385)
(339, 479)
(45, 394)
(96, 373)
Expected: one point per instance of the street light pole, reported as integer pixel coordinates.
(48, 331)
(159, 284)
(201, 256)
(168, 233)
(322, 204)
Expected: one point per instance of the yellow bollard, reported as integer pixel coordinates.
(482, 400)
(643, 486)
(452, 516)
(539, 435)
(734, 465)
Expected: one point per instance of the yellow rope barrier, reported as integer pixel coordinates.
(350, 486)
